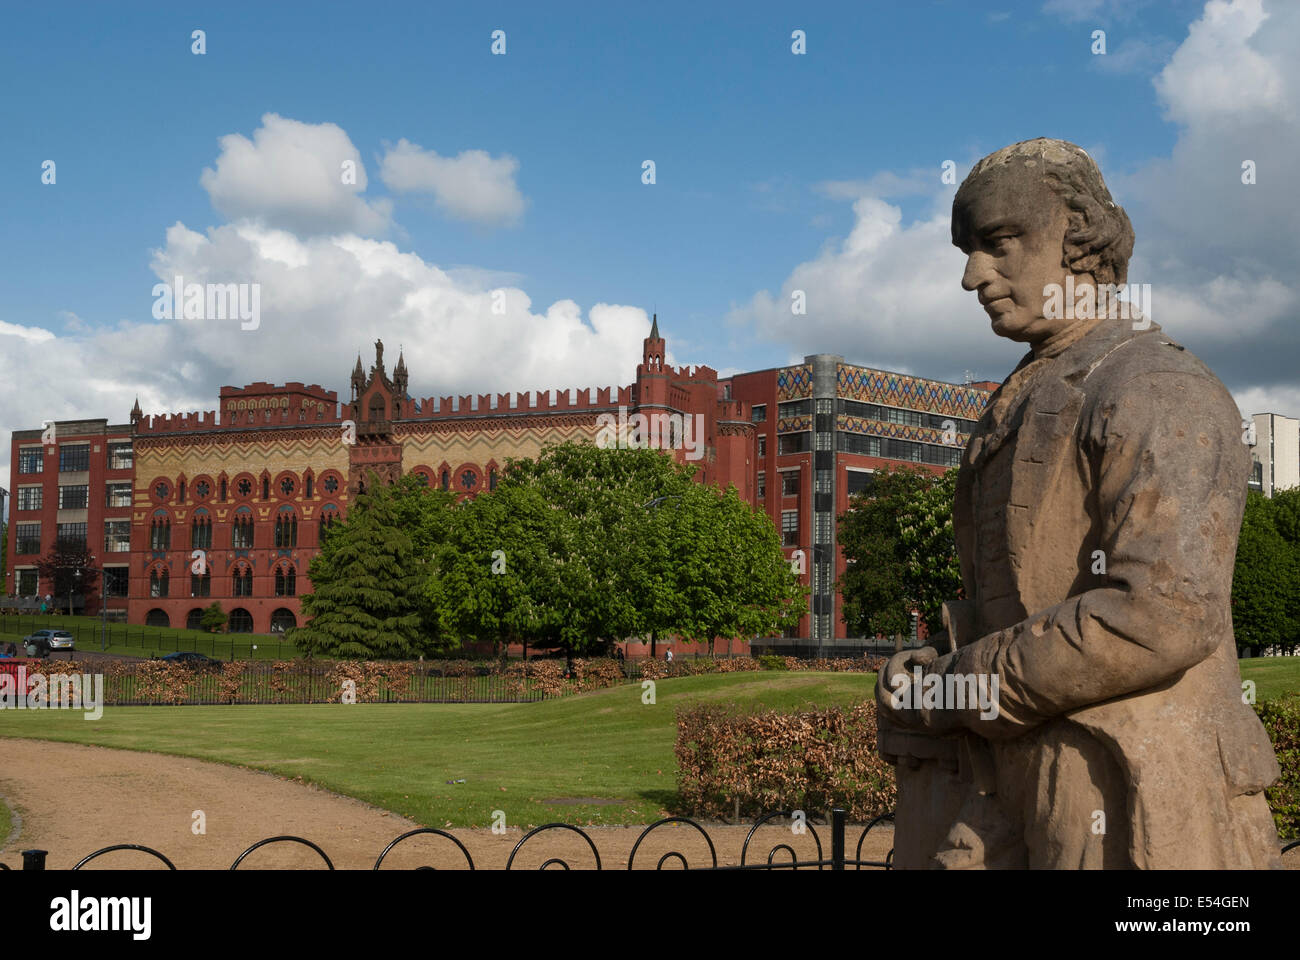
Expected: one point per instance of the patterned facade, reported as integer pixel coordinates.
(230, 505)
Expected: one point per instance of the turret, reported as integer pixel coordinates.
(652, 349)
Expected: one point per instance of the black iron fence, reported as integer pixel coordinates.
(834, 857)
(149, 683)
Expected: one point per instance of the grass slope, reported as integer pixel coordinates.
(513, 757)
(137, 641)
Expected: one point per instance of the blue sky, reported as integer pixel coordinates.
(768, 165)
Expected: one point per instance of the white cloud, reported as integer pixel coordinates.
(291, 176)
(472, 186)
(1222, 257)
(323, 300)
(28, 334)
(887, 295)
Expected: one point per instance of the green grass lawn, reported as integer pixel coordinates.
(513, 757)
(606, 744)
(137, 641)
(1273, 676)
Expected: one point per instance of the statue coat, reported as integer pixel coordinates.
(1097, 511)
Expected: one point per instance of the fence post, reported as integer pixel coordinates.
(837, 839)
(34, 859)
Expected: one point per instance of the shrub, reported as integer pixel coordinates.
(810, 760)
(1281, 719)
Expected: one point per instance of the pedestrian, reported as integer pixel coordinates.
(670, 655)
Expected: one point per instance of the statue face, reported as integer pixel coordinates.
(1011, 226)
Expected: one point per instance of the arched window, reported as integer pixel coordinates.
(241, 621)
(200, 585)
(201, 531)
(180, 490)
(286, 580)
(307, 484)
(286, 529)
(468, 479)
(492, 479)
(223, 489)
(331, 484)
(194, 619)
(287, 486)
(329, 516)
(242, 581)
(377, 408)
(446, 480)
(157, 618)
(282, 620)
(266, 488)
(160, 532)
(158, 583)
(241, 531)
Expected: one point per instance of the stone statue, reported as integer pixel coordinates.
(1097, 512)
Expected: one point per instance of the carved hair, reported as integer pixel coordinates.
(1098, 236)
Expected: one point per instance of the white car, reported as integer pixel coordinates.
(40, 643)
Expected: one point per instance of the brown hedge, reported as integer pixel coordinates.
(810, 760)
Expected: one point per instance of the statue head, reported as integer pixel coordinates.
(1030, 215)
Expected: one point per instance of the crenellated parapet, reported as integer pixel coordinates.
(528, 402)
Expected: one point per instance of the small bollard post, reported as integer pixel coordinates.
(34, 859)
(837, 839)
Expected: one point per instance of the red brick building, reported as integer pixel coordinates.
(228, 505)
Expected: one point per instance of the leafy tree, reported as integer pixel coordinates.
(722, 566)
(213, 618)
(584, 547)
(70, 569)
(368, 599)
(898, 538)
(1266, 576)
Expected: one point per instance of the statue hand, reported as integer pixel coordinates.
(891, 696)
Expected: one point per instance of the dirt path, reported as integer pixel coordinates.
(73, 800)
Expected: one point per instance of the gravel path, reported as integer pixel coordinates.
(73, 799)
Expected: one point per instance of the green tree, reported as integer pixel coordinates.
(213, 618)
(721, 568)
(1266, 575)
(897, 537)
(368, 599)
(583, 547)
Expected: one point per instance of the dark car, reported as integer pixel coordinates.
(40, 643)
(195, 661)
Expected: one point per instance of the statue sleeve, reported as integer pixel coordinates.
(1166, 463)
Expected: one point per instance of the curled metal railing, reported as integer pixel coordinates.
(35, 859)
(123, 846)
(282, 839)
(553, 860)
(424, 830)
(631, 858)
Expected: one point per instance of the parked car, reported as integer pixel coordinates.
(40, 643)
(195, 661)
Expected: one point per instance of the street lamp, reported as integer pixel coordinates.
(76, 574)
